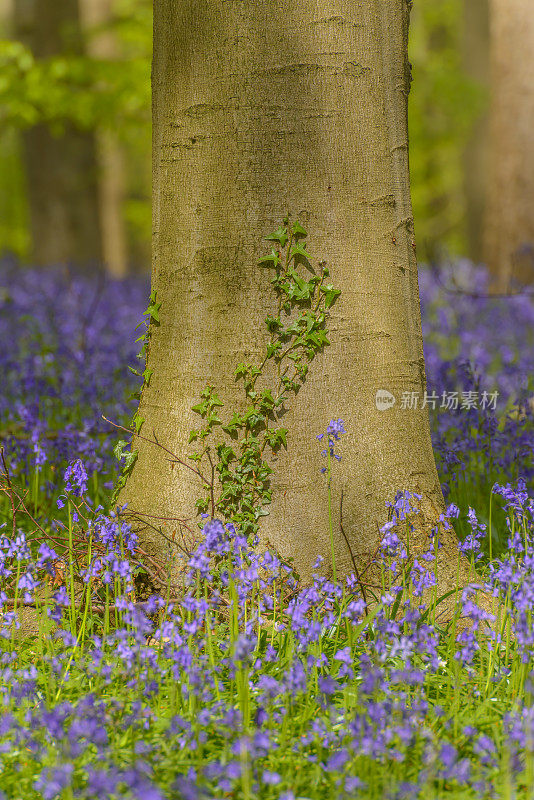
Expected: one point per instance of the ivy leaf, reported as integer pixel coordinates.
(273, 348)
(298, 230)
(272, 323)
(226, 454)
(153, 308)
(330, 294)
(318, 337)
(310, 321)
(304, 289)
(282, 436)
(267, 398)
(272, 260)
(130, 459)
(297, 250)
(279, 236)
(242, 369)
(235, 422)
(154, 313)
(118, 449)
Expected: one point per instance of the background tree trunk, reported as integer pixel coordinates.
(101, 43)
(509, 233)
(61, 169)
(260, 110)
(476, 45)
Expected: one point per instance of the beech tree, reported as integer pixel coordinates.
(262, 110)
(509, 226)
(60, 166)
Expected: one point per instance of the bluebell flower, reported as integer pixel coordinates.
(76, 478)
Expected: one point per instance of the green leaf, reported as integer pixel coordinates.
(304, 289)
(298, 230)
(297, 250)
(262, 512)
(138, 422)
(130, 460)
(330, 294)
(438, 601)
(317, 337)
(310, 321)
(272, 323)
(235, 422)
(279, 236)
(366, 621)
(119, 447)
(266, 398)
(272, 260)
(242, 369)
(273, 348)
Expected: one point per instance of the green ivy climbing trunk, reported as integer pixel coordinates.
(264, 109)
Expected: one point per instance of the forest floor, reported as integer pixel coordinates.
(250, 685)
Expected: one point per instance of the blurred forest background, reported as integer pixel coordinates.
(75, 138)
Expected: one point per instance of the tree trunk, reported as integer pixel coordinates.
(61, 170)
(260, 110)
(476, 46)
(102, 44)
(509, 234)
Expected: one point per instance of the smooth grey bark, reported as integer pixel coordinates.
(261, 109)
(61, 170)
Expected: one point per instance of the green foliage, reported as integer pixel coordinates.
(91, 93)
(97, 94)
(86, 91)
(243, 474)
